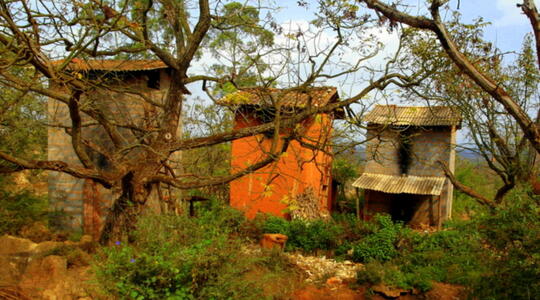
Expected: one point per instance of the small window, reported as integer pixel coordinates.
(153, 80)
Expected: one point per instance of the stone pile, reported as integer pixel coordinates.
(321, 268)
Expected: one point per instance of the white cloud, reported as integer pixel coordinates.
(511, 14)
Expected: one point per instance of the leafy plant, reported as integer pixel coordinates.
(19, 209)
(381, 244)
(177, 257)
(305, 235)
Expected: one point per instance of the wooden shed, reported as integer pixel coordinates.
(402, 176)
(122, 89)
(300, 183)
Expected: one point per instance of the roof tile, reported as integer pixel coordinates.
(400, 184)
(317, 96)
(113, 65)
(414, 115)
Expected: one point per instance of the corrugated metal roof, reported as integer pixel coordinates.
(113, 65)
(318, 96)
(414, 115)
(400, 184)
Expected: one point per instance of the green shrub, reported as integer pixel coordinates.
(494, 255)
(177, 257)
(442, 256)
(511, 253)
(381, 244)
(19, 209)
(303, 235)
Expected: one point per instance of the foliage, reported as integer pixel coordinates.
(305, 235)
(176, 257)
(20, 208)
(491, 131)
(512, 236)
(472, 174)
(203, 120)
(381, 244)
(494, 255)
(444, 256)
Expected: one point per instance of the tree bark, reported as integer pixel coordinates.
(465, 189)
(121, 221)
(530, 130)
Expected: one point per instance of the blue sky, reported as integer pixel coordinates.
(507, 30)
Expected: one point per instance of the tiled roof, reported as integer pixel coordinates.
(413, 115)
(114, 65)
(318, 96)
(400, 184)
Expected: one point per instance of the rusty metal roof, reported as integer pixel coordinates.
(317, 96)
(400, 184)
(113, 65)
(414, 115)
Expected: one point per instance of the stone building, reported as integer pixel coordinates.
(402, 176)
(300, 183)
(124, 90)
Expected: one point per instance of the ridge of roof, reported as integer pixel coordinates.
(113, 65)
(318, 96)
(414, 115)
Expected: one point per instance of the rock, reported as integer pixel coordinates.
(270, 241)
(333, 281)
(43, 274)
(388, 291)
(445, 291)
(43, 248)
(88, 244)
(45, 270)
(37, 232)
(86, 239)
(317, 268)
(10, 271)
(325, 293)
(11, 245)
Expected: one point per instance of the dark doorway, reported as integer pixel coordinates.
(404, 206)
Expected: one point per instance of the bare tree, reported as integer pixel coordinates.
(175, 33)
(435, 24)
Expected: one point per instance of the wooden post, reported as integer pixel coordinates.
(357, 200)
(439, 215)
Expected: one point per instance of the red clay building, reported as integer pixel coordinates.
(300, 183)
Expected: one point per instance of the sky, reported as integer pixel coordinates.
(506, 30)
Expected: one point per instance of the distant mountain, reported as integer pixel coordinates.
(469, 154)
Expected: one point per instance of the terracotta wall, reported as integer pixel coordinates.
(269, 190)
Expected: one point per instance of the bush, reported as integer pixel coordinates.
(495, 255)
(445, 256)
(177, 257)
(512, 249)
(303, 235)
(19, 209)
(381, 244)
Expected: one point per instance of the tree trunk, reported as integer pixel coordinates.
(502, 191)
(122, 217)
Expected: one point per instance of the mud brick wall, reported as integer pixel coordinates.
(429, 145)
(84, 202)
